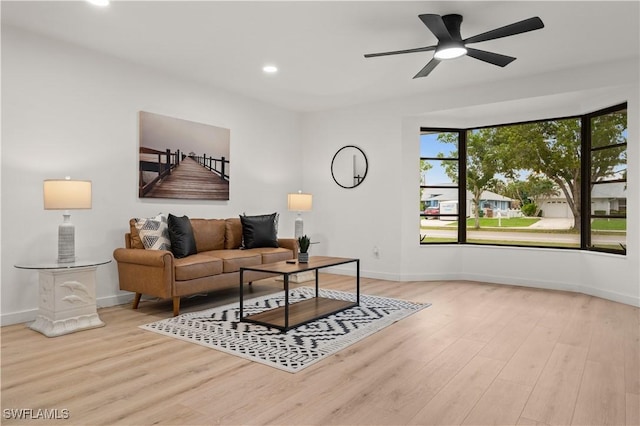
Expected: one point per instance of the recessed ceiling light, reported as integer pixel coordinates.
(99, 2)
(270, 69)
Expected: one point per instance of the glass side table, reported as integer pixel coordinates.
(67, 296)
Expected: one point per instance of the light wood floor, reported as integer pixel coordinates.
(482, 354)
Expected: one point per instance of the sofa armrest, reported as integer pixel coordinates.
(149, 272)
(289, 243)
(143, 257)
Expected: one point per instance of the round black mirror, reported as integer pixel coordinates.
(349, 166)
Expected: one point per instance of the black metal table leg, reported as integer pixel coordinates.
(358, 281)
(286, 301)
(241, 292)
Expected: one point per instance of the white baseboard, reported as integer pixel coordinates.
(350, 271)
(120, 299)
(611, 295)
(30, 315)
(18, 317)
(496, 279)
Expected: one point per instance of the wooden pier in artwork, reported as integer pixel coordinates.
(179, 176)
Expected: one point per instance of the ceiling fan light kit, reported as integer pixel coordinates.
(451, 45)
(450, 52)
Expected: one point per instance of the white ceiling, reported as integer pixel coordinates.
(319, 45)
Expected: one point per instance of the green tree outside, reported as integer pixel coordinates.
(547, 152)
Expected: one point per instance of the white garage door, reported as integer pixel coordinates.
(555, 209)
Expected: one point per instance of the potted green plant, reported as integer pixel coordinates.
(303, 245)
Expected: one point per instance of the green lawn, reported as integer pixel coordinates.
(601, 226)
(609, 225)
(503, 243)
(494, 222)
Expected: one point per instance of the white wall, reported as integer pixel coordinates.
(351, 222)
(69, 111)
(383, 211)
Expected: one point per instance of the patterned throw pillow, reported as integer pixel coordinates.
(154, 232)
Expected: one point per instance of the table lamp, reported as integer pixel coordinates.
(66, 194)
(301, 203)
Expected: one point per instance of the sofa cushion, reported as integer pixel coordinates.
(197, 266)
(183, 243)
(233, 233)
(233, 260)
(272, 254)
(208, 233)
(153, 232)
(259, 231)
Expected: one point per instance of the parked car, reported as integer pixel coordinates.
(432, 210)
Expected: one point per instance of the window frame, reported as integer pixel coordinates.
(462, 177)
(586, 165)
(586, 151)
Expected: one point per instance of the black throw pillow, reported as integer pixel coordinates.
(183, 242)
(259, 231)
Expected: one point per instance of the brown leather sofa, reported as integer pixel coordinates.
(215, 266)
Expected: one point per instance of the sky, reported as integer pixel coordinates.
(161, 132)
(430, 146)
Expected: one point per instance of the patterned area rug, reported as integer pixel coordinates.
(219, 328)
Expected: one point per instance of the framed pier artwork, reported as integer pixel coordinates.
(182, 159)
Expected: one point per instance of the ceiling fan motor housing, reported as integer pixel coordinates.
(451, 47)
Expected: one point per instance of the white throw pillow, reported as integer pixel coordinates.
(154, 232)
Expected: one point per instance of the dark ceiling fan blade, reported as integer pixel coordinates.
(453, 22)
(398, 52)
(427, 68)
(436, 26)
(508, 30)
(490, 57)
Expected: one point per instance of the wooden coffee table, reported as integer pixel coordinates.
(292, 315)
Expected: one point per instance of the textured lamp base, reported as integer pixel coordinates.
(66, 241)
(298, 227)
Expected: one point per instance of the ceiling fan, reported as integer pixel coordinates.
(450, 44)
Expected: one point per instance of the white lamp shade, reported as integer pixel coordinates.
(299, 202)
(66, 194)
